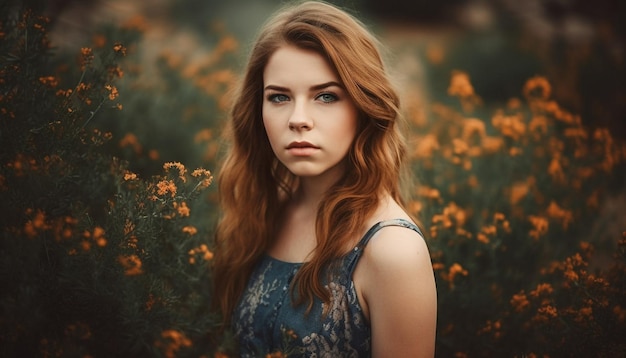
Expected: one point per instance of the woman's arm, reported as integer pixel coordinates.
(399, 289)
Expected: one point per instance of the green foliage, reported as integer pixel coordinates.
(94, 260)
(509, 200)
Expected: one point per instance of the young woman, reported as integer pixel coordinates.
(315, 254)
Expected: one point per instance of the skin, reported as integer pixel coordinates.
(304, 101)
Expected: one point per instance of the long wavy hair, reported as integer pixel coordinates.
(253, 184)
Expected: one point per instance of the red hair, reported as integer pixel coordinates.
(253, 184)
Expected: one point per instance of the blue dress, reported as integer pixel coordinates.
(265, 320)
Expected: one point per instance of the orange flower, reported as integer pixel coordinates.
(435, 54)
(113, 93)
(86, 57)
(537, 87)
(203, 172)
(585, 314)
(545, 313)
(129, 227)
(540, 226)
(620, 313)
(182, 208)
(136, 22)
(473, 127)
(460, 85)
(454, 270)
(556, 171)
(131, 140)
(190, 230)
(554, 211)
(459, 146)
(203, 136)
(181, 169)
(50, 81)
(165, 186)
(36, 224)
(482, 238)
(520, 301)
(542, 288)
(519, 190)
(492, 144)
(131, 264)
(99, 41)
(538, 126)
(510, 126)
(171, 342)
(275, 355)
(426, 146)
(200, 250)
(119, 48)
(98, 236)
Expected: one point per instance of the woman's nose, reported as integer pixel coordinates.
(300, 118)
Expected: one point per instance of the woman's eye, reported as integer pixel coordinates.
(277, 98)
(327, 97)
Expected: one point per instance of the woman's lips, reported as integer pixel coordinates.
(301, 149)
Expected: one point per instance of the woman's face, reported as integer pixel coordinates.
(308, 116)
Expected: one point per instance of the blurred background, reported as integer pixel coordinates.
(578, 45)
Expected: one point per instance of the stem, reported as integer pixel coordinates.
(93, 113)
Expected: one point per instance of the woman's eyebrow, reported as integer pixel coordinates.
(312, 88)
(276, 88)
(325, 85)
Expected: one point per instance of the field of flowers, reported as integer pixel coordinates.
(108, 208)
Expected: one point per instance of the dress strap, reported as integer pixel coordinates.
(355, 255)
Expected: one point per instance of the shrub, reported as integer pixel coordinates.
(94, 259)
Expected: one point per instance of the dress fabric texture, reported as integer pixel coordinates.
(265, 320)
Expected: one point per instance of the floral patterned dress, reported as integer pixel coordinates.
(265, 320)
